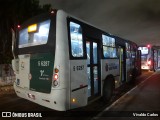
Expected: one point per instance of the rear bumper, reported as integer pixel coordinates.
(55, 100)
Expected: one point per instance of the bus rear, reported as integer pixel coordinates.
(59, 62)
(146, 58)
(36, 75)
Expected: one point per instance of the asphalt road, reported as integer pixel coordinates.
(142, 102)
(145, 96)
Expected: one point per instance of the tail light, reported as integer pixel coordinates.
(149, 62)
(56, 77)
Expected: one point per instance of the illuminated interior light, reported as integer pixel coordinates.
(32, 28)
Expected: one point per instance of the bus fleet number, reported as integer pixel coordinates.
(78, 68)
(43, 63)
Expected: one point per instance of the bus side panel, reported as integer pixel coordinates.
(62, 51)
(111, 67)
(62, 59)
(79, 87)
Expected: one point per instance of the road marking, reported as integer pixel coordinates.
(114, 103)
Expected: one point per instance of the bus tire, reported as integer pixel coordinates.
(108, 89)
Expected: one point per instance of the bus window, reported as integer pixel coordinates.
(95, 53)
(76, 40)
(35, 34)
(108, 41)
(109, 50)
(88, 52)
(144, 50)
(128, 50)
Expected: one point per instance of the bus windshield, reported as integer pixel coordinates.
(35, 34)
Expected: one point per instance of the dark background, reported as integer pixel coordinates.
(135, 20)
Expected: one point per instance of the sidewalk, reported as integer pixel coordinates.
(144, 99)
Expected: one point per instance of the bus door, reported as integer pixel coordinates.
(93, 69)
(122, 64)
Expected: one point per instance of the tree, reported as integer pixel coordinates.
(12, 13)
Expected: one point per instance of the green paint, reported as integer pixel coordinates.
(41, 67)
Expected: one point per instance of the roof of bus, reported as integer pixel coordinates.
(48, 14)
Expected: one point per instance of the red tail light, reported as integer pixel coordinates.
(148, 45)
(55, 77)
(55, 81)
(18, 26)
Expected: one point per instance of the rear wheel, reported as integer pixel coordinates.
(108, 89)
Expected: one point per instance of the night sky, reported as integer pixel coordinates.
(135, 20)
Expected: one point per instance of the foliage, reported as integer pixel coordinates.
(12, 13)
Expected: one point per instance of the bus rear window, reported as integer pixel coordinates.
(36, 34)
(144, 50)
